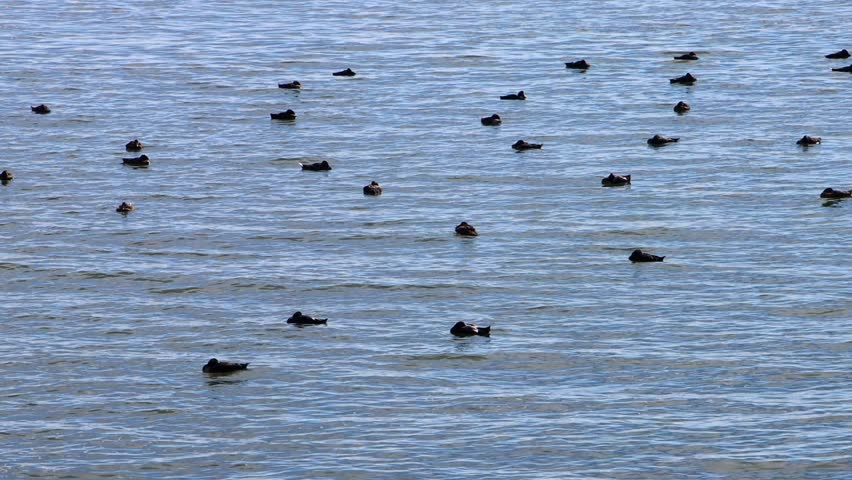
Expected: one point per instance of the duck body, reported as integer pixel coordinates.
(125, 207)
(140, 161)
(841, 54)
(299, 318)
(847, 69)
(514, 96)
(682, 107)
(808, 140)
(466, 230)
(660, 140)
(215, 366)
(288, 115)
(687, 56)
(322, 166)
(687, 79)
(344, 73)
(832, 193)
(614, 180)
(524, 145)
(462, 329)
(373, 189)
(133, 146)
(578, 65)
(491, 121)
(41, 109)
(640, 256)
(6, 175)
(294, 85)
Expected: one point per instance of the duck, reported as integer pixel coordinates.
(808, 140)
(322, 166)
(832, 193)
(373, 189)
(133, 146)
(215, 366)
(523, 145)
(847, 69)
(687, 79)
(300, 319)
(288, 115)
(841, 54)
(614, 180)
(514, 96)
(491, 121)
(41, 109)
(659, 140)
(294, 85)
(640, 256)
(687, 56)
(125, 207)
(462, 329)
(5, 176)
(578, 65)
(466, 230)
(682, 107)
(344, 73)
(140, 161)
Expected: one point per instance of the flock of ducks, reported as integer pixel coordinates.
(460, 329)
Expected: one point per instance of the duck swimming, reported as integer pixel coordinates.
(322, 166)
(133, 146)
(523, 145)
(300, 319)
(462, 329)
(578, 65)
(614, 180)
(659, 140)
(841, 54)
(125, 207)
(832, 193)
(640, 256)
(847, 69)
(491, 121)
(41, 109)
(466, 230)
(514, 96)
(373, 189)
(5, 176)
(808, 140)
(682, 107)
(140, 161)
(288, 115)
(294, 85)
(687, 79)
(215, 366)
(344, 73)
(687, 56)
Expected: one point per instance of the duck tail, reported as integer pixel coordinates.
(484, 331)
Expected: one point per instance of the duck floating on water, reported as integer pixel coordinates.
(466, 230)
(373, 189)
(687, 56)
(462, 329)
(807, 141)
(640, 256)
(5, 176)
(614, 180)
(41, 109)
(344, 73)
(832, 193)
(322, 166)
(288, 115)
(682, 107)
(841, 54)
(299, 318)
(133, 146)
(687, 79)
(125, 207)
(215, 366)
(492, 121)
(524, 145)
(578, 65)
(294, 85)
(514, 96)
(847, 69)
(660, 140)
(140, 161)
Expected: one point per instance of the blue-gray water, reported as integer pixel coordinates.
(731, 359)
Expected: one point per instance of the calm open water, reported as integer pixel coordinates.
(730, 360)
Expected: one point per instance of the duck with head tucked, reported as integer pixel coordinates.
(216, 366)
(682, 107)
(125, 207)
(524, 145)
(299, 318)
(288, 115)
(373, 189)
(807, 141)
(492, 121)
(6, 176)
(133, 146)
(687, 79)
(614, 180)
(462, 329)
(660, 140)
(841, 54)
(466, 230)
(514, 96)
(344, 73)
(640, 256)
(322, 166)
(687, 56)
(578, 65)
(294, 85)
(847, 69)
(140, 161)
(41, 109)
(832, 193)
